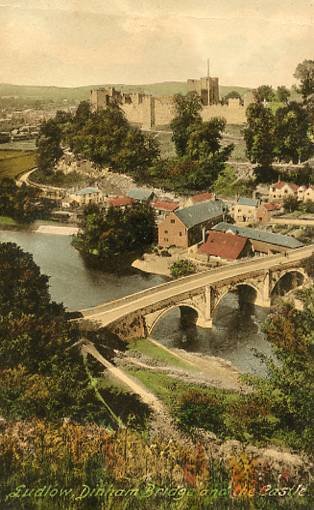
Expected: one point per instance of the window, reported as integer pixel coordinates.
(166, 231)
(166, 239)
(172, 221)
(180, 234)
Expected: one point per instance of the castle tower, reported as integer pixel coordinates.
(207, 87)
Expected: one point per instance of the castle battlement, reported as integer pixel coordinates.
(150, 111)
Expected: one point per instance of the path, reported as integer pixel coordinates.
(147, 397)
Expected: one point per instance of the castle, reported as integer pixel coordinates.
(152, 112)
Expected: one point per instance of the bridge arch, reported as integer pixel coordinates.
(152, 319)
(232, 287)
(302, 277)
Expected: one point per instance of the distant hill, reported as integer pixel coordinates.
(74, 94)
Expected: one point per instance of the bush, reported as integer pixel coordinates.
(182, 267)
(201, 409)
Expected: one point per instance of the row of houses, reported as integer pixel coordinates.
(281, 190)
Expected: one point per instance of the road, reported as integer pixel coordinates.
(111, 311)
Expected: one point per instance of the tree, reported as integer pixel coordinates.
(288, 385)
(263, 93)
(305, 73)
(283, 94)
(233, 94)
(22, 202)
(138, 153)
(48, 145)
(259, 134)
(290, 203)
(42, 371)
(228, 184)
(106, 138)
(182, 267)
(82, 114)
(187, 113)
(117, 237)
(292, 134)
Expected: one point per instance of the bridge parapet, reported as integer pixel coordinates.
(136, 315)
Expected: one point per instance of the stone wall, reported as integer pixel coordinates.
(148, 111)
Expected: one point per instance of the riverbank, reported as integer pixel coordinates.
(37, 227)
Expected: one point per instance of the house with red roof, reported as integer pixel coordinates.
(281, 190)
(121, 202)
(266, 210)
(163, 208)
(306, 193)
(225, 246)
(200, 197)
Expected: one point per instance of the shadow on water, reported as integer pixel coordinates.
(236, 328)
(236, 331)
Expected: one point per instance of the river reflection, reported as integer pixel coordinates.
(236, 329)
(236, 332)
(71, 281)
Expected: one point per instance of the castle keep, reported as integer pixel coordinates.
(150, 112)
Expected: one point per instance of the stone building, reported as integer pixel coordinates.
(149, 111)
(187, 226)
(245, 209)
(87, 196)
(207, 88)
(225, 246)
(262, 241)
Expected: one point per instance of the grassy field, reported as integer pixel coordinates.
(13, 162)
(6, 220)
(152, 350)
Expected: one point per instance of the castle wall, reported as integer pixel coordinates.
(148, 111)
(164, 110)
(233, 114)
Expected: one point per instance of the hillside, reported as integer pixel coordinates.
(80, 93)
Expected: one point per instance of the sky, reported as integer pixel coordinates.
(89, 42)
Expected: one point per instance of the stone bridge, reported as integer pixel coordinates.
(255, 279)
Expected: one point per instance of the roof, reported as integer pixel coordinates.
(226, 246)
(86, 191)
(271, 206)
(120, 201)
(281, 184)
(253, 202)
(260, 235)
(200, 213)
(165, 205)
(140, 194)
(201, 197)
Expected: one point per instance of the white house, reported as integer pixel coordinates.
(87, 196)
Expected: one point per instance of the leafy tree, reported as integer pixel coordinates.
(288, 385)
(39, 368)
(233, 94)
(48, 145)
(228, 184)
(138, 153)
(187, 113)
(106, 137)
(292, 134)
(305, 73)
(259, 134)
(283, 94)
(290, 203)
(117, 236)
(182, 267)
(263, 93)
(21, 203)
(82, 114)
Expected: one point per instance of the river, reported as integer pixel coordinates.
(236, 329)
